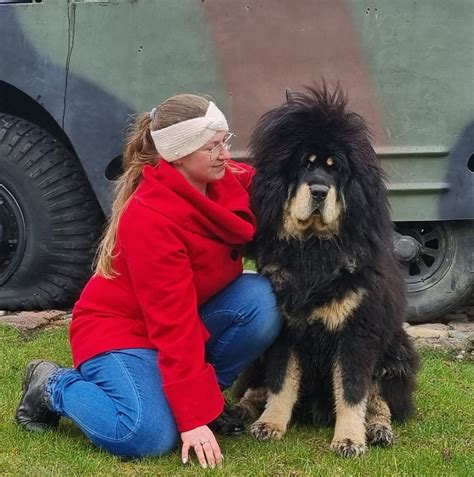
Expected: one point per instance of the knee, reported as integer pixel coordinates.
(143, 444)
(268, 326)
(154, 435)
(156, 442)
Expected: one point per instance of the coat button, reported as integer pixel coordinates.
(234, 255)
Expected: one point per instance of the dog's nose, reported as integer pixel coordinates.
(318, 191)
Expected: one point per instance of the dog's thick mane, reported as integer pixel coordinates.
(363, 243)
(321, 115)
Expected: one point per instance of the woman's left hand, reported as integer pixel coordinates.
(205, 445)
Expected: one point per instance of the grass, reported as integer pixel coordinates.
(438, 441)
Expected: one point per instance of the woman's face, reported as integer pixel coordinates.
(207, 164)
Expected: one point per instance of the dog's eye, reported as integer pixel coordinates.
(329, 161)
(312, 158)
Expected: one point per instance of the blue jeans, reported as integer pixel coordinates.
(116, 398)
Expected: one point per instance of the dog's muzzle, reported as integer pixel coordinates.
(319, 192)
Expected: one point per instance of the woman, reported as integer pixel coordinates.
(168, 320)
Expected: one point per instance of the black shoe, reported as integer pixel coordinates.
(34, 413)
(228, 423)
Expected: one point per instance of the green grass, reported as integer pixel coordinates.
(248, 264)
(438, 441)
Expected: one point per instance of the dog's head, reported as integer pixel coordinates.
(315, 199)
(315, 167)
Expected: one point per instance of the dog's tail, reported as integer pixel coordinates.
(400, 366)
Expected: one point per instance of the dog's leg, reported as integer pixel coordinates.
(378, 424)
(252, 403)
(274, 421)
(401, 364)
(349, 434)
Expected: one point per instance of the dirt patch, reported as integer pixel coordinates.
(28, 322)
(454, 331)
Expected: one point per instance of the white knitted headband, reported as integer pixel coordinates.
(181, 139)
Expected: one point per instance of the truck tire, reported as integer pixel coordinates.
(441, 276)
(50, 220)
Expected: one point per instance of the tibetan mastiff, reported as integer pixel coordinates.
(325, 241)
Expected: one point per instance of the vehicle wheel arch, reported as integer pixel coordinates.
(18, 103)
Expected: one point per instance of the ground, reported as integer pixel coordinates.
(454, 331)
(438, 441)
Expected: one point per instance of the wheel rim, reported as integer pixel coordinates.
(436, 249)
(12, 234)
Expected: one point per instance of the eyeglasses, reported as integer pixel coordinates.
(215, 151)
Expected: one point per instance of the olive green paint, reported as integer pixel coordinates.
(421, 58)
(165, 42)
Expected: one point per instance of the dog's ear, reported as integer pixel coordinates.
(268, 195)
(289, 98)
(271, 149)
(365, 194)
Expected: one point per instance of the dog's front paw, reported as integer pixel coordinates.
(348, 448)
(265, 431)
(380, 435)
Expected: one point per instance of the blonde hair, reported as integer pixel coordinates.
(140, 150)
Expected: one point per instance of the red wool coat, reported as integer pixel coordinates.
(176, 248)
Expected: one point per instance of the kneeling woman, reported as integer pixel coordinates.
(168, 320)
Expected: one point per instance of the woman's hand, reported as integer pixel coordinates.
(207, 450)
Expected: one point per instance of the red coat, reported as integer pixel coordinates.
(176, 249)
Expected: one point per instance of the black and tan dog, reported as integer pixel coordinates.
(324, 240)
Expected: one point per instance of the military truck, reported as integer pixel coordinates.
(72, 72)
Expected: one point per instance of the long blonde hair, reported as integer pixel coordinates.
(140, 150)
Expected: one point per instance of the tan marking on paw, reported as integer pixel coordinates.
(380, 435)
(378, 419)
(279, 406)
(347, 448)
(349, 432)
(266, 431)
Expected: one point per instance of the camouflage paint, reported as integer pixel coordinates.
(406, 65)
(92, 95)
(265, 46)
(422, 64)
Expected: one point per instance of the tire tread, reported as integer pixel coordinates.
(74, 214)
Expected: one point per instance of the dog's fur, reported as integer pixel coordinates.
(325, 242)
